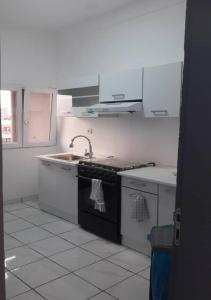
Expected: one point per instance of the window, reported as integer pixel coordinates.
(10, 117)
(39, 118)
(28, 118)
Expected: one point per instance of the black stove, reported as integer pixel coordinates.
(113, 164)
(103, 223)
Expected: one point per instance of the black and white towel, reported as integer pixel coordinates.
(97, 195)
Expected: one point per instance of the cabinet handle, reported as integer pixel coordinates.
(66, 168)
(45, 163)
(161, 113)
(118, 96)
(133, 195)
(138, 184)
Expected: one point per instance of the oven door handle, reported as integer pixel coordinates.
(103, 182)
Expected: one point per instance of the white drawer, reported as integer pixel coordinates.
(141, 185)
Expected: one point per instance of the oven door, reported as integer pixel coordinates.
(112, 199)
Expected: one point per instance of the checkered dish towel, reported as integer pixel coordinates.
(140, 210)
(97, 195)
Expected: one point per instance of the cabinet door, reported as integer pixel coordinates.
(162, 90)
(134, 230)
(64, 105)
(166, 205)
(58, 188)
(121, 86)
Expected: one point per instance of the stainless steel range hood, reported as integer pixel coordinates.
(116, 107)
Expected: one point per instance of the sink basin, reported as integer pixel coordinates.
(67, 157)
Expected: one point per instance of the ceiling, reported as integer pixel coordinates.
(54, 14)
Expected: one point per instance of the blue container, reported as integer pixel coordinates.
(160, 275)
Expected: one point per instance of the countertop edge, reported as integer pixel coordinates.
(147, 178)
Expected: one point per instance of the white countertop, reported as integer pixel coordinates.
(160, 175)
(51, 158)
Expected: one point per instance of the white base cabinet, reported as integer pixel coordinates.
(58, 186)
(166, 208)
(134, 233)
(160, 201)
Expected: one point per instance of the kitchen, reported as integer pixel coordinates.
(74, 59)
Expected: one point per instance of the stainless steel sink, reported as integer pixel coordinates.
(67, 157)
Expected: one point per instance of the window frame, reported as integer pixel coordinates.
(25, 114)
(19, 109)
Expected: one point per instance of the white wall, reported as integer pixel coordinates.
(28, 58)
(148, 33)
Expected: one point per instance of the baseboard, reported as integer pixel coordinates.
(21, 199)
(143, 248)
(59, 213)
(31, 198)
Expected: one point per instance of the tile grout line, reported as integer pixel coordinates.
(69, 272)
(60, 252)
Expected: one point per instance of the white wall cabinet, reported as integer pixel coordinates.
(134, 233)
(121, 86)
(162, 90)
(58, 187)
(64, 105)
(167, 196)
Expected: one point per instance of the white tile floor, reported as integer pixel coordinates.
(49, 258)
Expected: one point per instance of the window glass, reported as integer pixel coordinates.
(39, 117)
(8, 100)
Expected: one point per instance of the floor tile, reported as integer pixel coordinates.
(134, 288)
(79, 236)
(20, 256)
(69, 287)
(31, 235)
(41, 219)
(103, 248)
(51, 246)
(131, 260)
(9, 217)
(59, 227)
(103, 274)
(74, 259)
(23, 213)
(13, 207)
(32, 203)
(14, 286)
(17, 225)
(145, 274)
(103, 296)
(10, 243)
(31, 295)
(40, 272)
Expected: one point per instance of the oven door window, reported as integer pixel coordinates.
(111, 192)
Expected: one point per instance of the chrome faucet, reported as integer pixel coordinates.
(90, 153)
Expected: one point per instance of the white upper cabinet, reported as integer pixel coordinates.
(64, 105)
(121, 86)
(162, 90)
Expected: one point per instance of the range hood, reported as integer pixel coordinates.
(116, 107)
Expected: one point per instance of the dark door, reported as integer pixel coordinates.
(192, 258)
